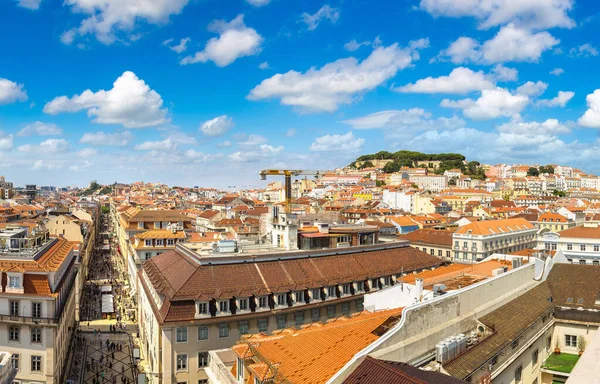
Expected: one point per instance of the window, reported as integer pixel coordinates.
(432, 252)
(182, 335)
(14, 361)
(170, 242)
(13, 333)
(360, 286)
(300, 297)
(243, 327)
(159, 242)
(243, 304)
(141, 225)
(582, 262)
(36, 363)
(281, 299)
(148, 255)
(548, 342)
(224, 306)
(157, 225)
(582, 247)
(14, 308)
(299, 319)
(494, 360)
(263, 325)
(263, 302)
(571, 341)
(316, 293)
(14, 282)
(518, 373)
(534, 357)
(387, 281)
(36, 310)
(439, 253)
(330, 311)
(515, 343)
(203, 308)
(203, 381)
(36, 335)
(281, 322)
(202, 359)
(596, 248)
(315, 315)
(182, 362)
(448, 254)
(203, 332)
(569, 247)
(424, 249)
(346, 289)
(223, 330)
(360, 306)
(332, 291)
(346, 309)
(148, 243)
(375, 283)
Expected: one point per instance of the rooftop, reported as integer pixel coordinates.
(562, 362)
(494, 227)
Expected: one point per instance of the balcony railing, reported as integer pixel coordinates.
(27, 319)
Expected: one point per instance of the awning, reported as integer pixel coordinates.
(106, 247)
(106, 289)
(314, 235)
(107, 304)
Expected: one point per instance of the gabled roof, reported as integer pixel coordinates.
(495, 227)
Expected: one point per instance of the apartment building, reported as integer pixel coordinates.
(580, 245)
(480, 239)
(553, 222)
(190, 304)
(435, 242)
(37, 303)
(433, 183)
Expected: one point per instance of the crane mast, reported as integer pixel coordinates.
(288, 174)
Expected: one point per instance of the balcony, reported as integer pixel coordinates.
(27, 319)
(219, 367)
(562, 362)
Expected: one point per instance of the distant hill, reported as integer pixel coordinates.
(438, 162)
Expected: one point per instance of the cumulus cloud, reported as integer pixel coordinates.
(46, 146)
(264, 151)
(11, 92)
(560, 100)
(258, 3)
(167, 144)
(235, 40)
(591, 117)
(179, 48)
(461, 80)
(290, 132)
(263, 65)
(217, 126)
(324, 13)
(510, 44)
(532, 89)
(130, 102)
(557, 71)
(530, 14)
(80, 167)
(41, 164)
(548, 127)
(112, 20)
(346, 142)
(325, 89)
(6, 141)
(492, 103)
(106, 139)
(354, 45)
(502, 73)
(29, 4)
(40, 129)
(404, 120)
(87, 152)
(584, 50)
(251, 140)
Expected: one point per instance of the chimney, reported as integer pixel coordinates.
(418, 289)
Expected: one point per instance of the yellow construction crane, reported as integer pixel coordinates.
(288, 181)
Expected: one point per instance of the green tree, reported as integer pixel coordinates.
(366, 164)
(452, 181)
(558, 193)
(533, 171)
(94, 185)
(379, 183)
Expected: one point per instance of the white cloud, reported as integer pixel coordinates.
(40, 129)
(404, 121)
(46, 146)
(11, 92)
(130, 102)
(87, 152)
(258, 3)
(29, 4)
(346, 142)
(111, 20)
(235, 40)
(560, 100)
(324, 13)
(492, 103)
(40, 164)
(251, 140)
(340, 82)
(584, 50)
(510, 44)
(557, 71)
(106, 139)
(548, 127)
(264, 151)
(502, 73)
(217, 126)
(264, 65)
(461, 80)
(532, 89)
(354, 45)
(167, 144)
(531, 14)
(591, 117)
(6, 141)
(85, 165)
(179, 48)
(291, 132)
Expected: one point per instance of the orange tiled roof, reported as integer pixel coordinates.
(48, 262)
(495, 227)
(161, 234)
(315, 353)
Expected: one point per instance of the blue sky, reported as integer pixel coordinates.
(208, 92)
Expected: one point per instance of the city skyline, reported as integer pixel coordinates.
(179, 91)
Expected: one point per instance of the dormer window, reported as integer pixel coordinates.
(332, 291)
(263, 302)
(281, 299)
(159, 242)
(375, 283)
(224, 306)
(346, 289)
(148, 243)
(299, 297)
(316, 293)
(170, 242)
(203, 308)
(243, 304)
(141, 225)
(14, 281)
(360, 286)
(387, 281)
(157, 225)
